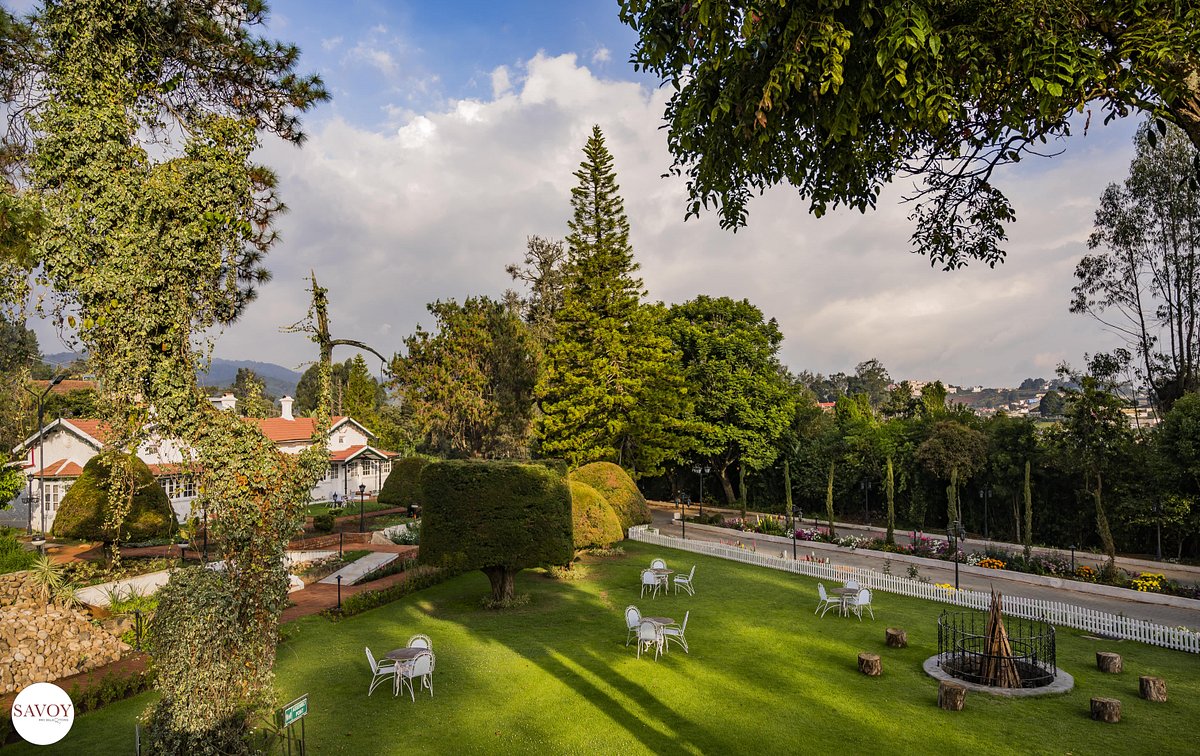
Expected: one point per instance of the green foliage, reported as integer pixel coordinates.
(403, 485)
(111, 687)
(89, 508)
(500, 517)
(595, 522)
(12, 480)
(323, 523)
(201, 654)
(13, 556)
(361, 398)
(618, 489)
(418, 578)
(543, 271)
(470, 383)
(252, 397)
(953, 449)
(839, 99)
(610, 388)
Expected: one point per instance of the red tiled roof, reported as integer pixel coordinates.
(169, 468)
(300, 429)
(344, 454)
(60, 468)
(66, 386)
(97, 429)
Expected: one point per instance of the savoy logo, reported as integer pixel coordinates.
(43, 713)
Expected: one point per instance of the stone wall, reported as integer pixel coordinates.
(40, 643)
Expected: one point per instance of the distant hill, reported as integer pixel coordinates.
(280, 381)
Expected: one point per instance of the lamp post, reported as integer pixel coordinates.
(985, 493)
(956, 533)
(1072, 559)
(701, 470)
(41, 398)
(362, 494)
(1158, 530)
(797, 515)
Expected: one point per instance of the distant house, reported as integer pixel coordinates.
(354, 460)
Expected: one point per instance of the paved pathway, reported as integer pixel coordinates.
(358, 569)
(1130, 607)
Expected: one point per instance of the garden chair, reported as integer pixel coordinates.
(686, 582)
(862, 601)
(649, 634)
(658, 564)
(852, 585)
(826, 603)
(420, 666)
(650, 580)
(675, 633)
(420, 641)
(380, 670)
(633, 618)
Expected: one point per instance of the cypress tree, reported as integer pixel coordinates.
(611, 389)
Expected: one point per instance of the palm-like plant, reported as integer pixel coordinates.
(48, 576)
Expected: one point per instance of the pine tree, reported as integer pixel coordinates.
(611, 389)
(362, 393)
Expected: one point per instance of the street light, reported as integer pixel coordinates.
(701, 470)
(797, 515)
(41, 456)
(956, 533)
(362, 493)
(985, 493)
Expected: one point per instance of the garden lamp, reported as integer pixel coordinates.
(797, 515)
(701, 470)
(362, 493)
(956, 533)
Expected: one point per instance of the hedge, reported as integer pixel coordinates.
(618, 489)
(419, 578)
(403, 485)
(595, 522)
(85, 507)
(499, 517)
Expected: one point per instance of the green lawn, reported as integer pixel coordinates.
(765, 675)
(351, 507)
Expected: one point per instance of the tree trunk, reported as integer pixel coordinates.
(952, 514)
(1028, 513)
(727, 486)
(951, 696)
(787, 493)
(502, 582)
(890, 486)
(1108, 662)
(829, 501)
(1152, 688)
(1106, 710)
(742, 486)
(870, 664)
(1110, 548)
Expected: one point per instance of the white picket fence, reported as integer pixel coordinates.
(1055, 612)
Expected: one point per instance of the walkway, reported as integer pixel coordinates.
(359, 568)
(1129, 607)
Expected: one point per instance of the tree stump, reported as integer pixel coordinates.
(951, 695)
(1152, 688)
(897, 638)
(1106, 661)
(1106, 710)
(870, 664)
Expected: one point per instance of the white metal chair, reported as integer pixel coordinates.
(649, 634)
(825, 603)
(420, 641)
(419, 666)
(862, 601)
(686, 582)
(675, 633)
(658, 564)
(852, 585)
(380, 670)
(650, 580)
(633, 618)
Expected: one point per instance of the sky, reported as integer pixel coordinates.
(452, 135)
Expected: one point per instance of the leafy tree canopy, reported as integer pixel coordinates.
(839, 98)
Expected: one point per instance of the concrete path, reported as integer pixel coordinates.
(358, 569)
(1166, 615)
(141, 585)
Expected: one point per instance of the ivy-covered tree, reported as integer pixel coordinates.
(251, 392)
(469, 383)
(739, 392)
(138, 121)
(839, 99)
(611, 388)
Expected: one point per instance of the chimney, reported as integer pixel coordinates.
(285, 408)
(227, 402)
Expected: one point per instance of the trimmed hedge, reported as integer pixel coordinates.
(499, 517)
(419, 578)
(403, 485)
(85, 507)
(618, 489)
(595, 522)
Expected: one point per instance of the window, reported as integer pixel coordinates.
(385, 467)
(333, 473)
(187, 488)
(170, 484)
(55, 489)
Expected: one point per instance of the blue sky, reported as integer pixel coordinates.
(452, 136)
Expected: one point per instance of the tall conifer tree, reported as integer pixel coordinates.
(611, 388)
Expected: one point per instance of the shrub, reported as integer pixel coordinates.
(595, 522)
(13, 556)
(618, 489)
(323, 523)
(498, 517)
(87, 505)
(403, 485)
(419, 578)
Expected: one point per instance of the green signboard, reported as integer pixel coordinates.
(295, 710)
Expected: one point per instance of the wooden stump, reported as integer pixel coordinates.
(1106, 710)
(951, 695)
(870, 664)
(1152, 688)
(1106, 661)
(897, 638)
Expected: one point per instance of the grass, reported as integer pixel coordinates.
(322, 507)
(764, 675)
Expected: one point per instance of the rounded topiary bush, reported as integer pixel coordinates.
(86, 506)
(596, 524)
(618, 489)
(403, 485)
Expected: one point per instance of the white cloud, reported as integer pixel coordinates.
(436, 205)
(331, 43)
(373, 56)
(601, 55)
